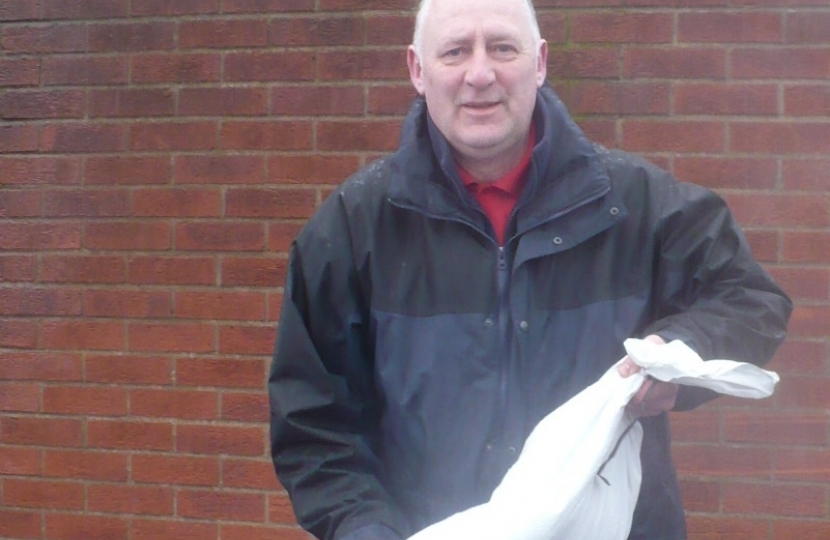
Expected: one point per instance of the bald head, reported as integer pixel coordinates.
(426, 5)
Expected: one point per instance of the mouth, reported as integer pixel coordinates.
(480, 106)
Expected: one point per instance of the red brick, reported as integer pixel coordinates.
(805, 392)
(780, 210)
(249, 474)
(99, 401)
(806, 247)
(311, 169)
(700, 495)
(82, 335)
(175, 67)
(731, 99)
(722, 462)
(82, 269)
(19, 203)
(131, 36)
(177, 203)
(37, 104)
(220, 236)
(261, 532)
(86, 203)
(705, 527)
(80, 137)
(19, 397)
(17, 268)
(781, 63)
(232, 305)
(619, 98)
(727, 172)
(622, 28)
(165, 7)
(245, 407)
(274, 306)
(196, 135)
(246, 339)
(18, 11)
(800, 357)
(32, 171)
(84, 70)
(351, 5)
(127, 369)
(277, 203)
(280, 236)
(18, 138)
(390, 29)
(320, 32)
(675, 63)
(802, 464)
(83, 9)
(806, 283)
(171, 271)
(187, 404)
(180, 530)
(140, 236)
(84, 527)
(19, 71)
(362, 65)
(771, 428)
(390, 100)
(166, 337)
(15, 523)
(223, 101)
(270, 135)
(53, 38)
(127, 303)
(803, 530)
(39, 301)
(223, 33)
(43, 494)
(123, 435)
(719, 27)
(130, 499)
(812, 321)
(221, 505)
(40, 366)
(85, 465)
(49, 432)
(807, 26)
(223, 170)
(673, 136)
(176, 470)
(131, 103)
(127, 170)
(780, 138)
(266, 6)
(806, 174)
(253, 271)
(269, 66)
(702, 425)
(317, 100)
(807, 100)
(18, 334)
(279, 509)
(357, 136)
(216, 439)
(220, 372)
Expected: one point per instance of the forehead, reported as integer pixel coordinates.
(452, 19)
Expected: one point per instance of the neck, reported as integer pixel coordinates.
(491, 168)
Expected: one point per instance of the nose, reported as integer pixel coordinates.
(480, 72)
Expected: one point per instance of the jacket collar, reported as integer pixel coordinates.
(564, 171)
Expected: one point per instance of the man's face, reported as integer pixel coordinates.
(479, 72)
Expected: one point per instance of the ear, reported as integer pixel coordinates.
(542, 63)
(416, 70)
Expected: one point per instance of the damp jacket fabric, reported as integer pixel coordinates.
(415, 355)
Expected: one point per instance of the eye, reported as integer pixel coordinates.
(454, 53)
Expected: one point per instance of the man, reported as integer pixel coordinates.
(449, 296)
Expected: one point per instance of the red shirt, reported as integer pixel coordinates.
(498, 198)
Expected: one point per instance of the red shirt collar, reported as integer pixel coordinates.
(511, 183)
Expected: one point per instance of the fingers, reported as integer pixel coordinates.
(628, 367)
(653, 398)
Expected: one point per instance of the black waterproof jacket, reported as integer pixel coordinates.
(415, 354)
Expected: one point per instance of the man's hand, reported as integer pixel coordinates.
(654, 397)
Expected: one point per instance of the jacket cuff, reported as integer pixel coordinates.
(373, 532)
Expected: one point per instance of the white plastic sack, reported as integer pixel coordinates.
(554, 491)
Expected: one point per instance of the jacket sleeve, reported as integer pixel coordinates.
(324, 411)
(711, 293)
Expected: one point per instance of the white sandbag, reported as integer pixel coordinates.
(554, 490)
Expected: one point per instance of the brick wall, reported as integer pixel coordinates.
(157, 157)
